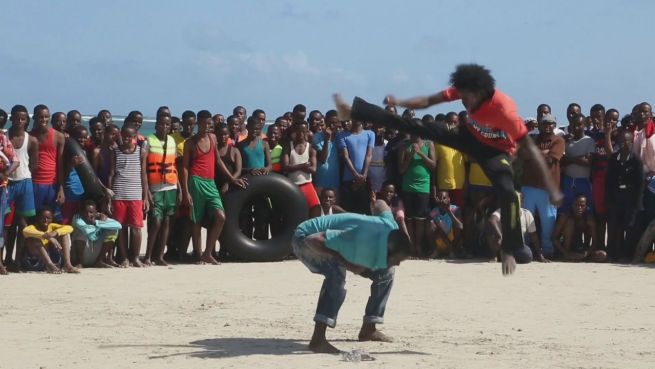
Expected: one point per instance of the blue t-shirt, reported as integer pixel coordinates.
(357, 145)
(443, 219)
(327, 174)
(360, 239)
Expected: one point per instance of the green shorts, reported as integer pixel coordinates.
(205, 197)
(164, 204)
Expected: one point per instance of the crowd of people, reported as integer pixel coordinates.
(440, 198)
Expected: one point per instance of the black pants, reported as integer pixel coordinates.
(355, 198)
(495, 163)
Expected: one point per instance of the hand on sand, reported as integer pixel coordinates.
(509, 263)
(343, 109)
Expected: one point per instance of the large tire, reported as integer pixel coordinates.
(90, 182)
(281, 191)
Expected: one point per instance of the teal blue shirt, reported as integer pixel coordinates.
(360, 239)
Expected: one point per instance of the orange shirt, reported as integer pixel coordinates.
(496, 123)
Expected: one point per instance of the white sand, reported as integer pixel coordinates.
(442, 315)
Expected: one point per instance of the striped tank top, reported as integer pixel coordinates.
(127, 175)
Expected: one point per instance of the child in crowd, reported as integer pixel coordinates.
(47, 243)
(327, 155)
(199, 191)
(8, 164)
(575, 232)
(451, 167)
(356, 149)
(21, 190)
(445, 226)
(256, 156)
(299, 161)
(329, 202)
(417, 165)
(97, 129)
(273, 138)
(625, 177)
(58, 121)
(163, 187)
(100, 155)
(389, 195)
(73, 119)
(73, 189)
(48, 176)
(230, 156)
(530, 247)
(94, 233)
(576, 162)
(128, 180)
(377, 171)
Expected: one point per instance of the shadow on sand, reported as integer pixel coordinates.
(217, 348)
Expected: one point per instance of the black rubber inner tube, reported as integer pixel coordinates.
(90, 182)
(287, 202)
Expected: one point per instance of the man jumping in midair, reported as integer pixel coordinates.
(493, 134)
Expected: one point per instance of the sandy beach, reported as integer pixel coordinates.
(441, 314)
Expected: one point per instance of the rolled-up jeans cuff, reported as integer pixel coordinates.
(320, 318)
(374, 319)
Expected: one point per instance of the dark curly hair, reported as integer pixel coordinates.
(474, 78)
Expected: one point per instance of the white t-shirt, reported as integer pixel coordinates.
(527, 222)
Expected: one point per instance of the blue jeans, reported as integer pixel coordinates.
(538, 202)
(333, 291)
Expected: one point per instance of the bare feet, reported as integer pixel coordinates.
(161, 262)
(370, 333)
(208, 259)
(102, 264)
(71, 269)
(124, 264)
(52, 269)
(79, 266)
(3, 270)
(375, 336)
(112, 263)
(343, 109)
(323, 347)
(147, 262)
(137, 263)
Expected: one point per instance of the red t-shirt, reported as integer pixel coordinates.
(496, 123)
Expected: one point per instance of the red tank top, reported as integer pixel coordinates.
(46, 172)
(204, 163)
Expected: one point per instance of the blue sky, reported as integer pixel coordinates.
(125, 55)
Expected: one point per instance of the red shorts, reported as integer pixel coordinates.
(129, 213)
(9, 217)
(309, 192)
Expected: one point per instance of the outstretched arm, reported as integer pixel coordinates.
(529, 151)
(418, 102)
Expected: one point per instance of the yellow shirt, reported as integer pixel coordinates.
(450, 168)
(32, 232)
(477, 176)
(179, 143)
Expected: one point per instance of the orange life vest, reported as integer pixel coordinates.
(160, 165)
